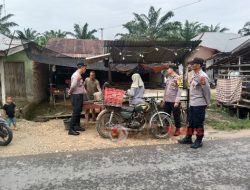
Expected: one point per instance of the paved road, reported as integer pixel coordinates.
(218, 165)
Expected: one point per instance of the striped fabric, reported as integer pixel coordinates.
(229, 90)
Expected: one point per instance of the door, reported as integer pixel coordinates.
(15, 79)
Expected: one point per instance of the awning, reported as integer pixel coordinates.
(155, 67)
(94, 59)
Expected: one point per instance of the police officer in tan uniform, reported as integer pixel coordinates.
(172, 98)
(199, 100)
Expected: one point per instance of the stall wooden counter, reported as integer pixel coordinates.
(90, 105)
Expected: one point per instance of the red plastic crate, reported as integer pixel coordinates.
(113, 97)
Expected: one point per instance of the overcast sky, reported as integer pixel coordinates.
(44, 15)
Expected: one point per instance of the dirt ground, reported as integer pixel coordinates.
(50, 137)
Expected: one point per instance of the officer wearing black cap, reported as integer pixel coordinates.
(76, 91)
(199, 100)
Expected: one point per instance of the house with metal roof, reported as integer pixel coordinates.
(215, 44)
(230, 67)
(228, 64)
(15, 69)
(24, 75)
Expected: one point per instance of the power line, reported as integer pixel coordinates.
(186, 5)
(180, 7)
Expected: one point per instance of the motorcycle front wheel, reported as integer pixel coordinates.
(104, 124)
(161, 125)
(6, 135)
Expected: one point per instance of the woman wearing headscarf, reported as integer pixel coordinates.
(136, 91)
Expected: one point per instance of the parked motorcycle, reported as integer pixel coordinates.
(114, 122)
(6, 134)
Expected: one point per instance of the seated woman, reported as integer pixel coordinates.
(136, 91)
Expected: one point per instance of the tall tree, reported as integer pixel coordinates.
(27, 34)
(189, 30)
(83, 32)
(56, 34)
(43, 39)
(212, 28)
(5, 24)
(245, 30)
(149, 27)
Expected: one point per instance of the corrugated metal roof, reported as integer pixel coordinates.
(235, 44)
(47, 56)
(5, 43)
(77, 48)
(223, 42)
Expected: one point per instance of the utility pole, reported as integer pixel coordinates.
(2, 80)
(101, 33)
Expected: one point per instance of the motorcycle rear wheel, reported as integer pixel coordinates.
(6, 135)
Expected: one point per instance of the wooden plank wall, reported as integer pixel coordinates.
(15, 79)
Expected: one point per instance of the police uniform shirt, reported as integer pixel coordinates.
(199, 94)
(172, 90)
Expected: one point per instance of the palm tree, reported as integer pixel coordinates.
(213, 28)
(56, 34)
(135, 32)
(82, 32)
(43, 39)
(189, 30)
(148, 27)
(28, 34)
(245, 30)
(5, 25)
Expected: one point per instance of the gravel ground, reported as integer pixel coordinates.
(51, 137)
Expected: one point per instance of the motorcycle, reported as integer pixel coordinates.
(6, 134)
(116, 122)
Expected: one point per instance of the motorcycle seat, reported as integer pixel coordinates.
(128, 109)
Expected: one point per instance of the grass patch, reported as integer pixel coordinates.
(223, 118)
(228, 124)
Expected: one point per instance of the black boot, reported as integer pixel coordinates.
(75, 133)
(186, 140)
(196, 144)
(79, 128)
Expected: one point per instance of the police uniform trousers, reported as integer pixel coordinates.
(169, 108)
(196, 121)
(77, 103)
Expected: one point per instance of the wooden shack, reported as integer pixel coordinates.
(236, 65)
(24, 70)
